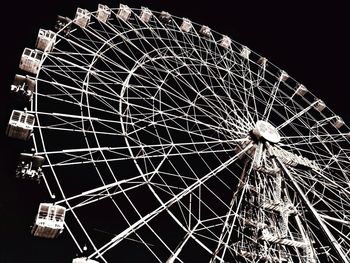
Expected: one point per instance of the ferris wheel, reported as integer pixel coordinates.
(153, 132)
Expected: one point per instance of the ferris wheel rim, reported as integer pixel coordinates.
(91, 65)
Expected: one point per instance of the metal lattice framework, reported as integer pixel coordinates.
(149, 125)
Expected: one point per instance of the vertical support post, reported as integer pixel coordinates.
(333, 242)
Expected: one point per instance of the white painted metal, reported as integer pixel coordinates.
(165, 118)
(49, 222)
(165, 17)
(64, 24)
(103, 13)
(23, 85)
(338, 122)
(124, 12)
(20, 125)
(186, 25)
(30, 166)
(225, 42)
(30, 60)
(264, 130)
(84, 260)
(145, 15)
(301, 90)
(245, 52)
(45, 40)
(82, 17)
(320, 105)
(205, 31)
(283, 76)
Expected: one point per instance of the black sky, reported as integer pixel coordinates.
(310, 41)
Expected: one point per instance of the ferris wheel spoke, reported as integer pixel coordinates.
(166, 187)
(184, 98)
(128, 40)
(183, 115)
(317, 195)
(170, 121)
(194, 236)
(158, 118)
(91, 39)
(176, 253)
(342, 239)
(332, 241)
(251, 96)
(227, 226)
(61, 86)
(53, 73)
(138, 224)
(296, 116)
(87, 70)
(75, 68)
(317, 138)
(141, 109)
(271, 100)
(74, 130)
(177, 174)
(76, 65)
(336, 183)
(183, 148)
(204, 98)
(187, 209)
(330, 180)
(76, 57)
(330, 163)
(107, 191)
(247, 86)
(192, 74)
(84, 159)
(57, 97)
(78, 84)
(155, 147)
(256, 85)
(324, 159)
(61, 97)
(110, 44)
(260, 75)
(180, 129)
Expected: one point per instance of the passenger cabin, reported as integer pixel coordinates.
(262, 61)
(301, 90)
(283, 76)
(319, 105)
(23, 85)
(225, 42)
(64, 24)
(20, 125)
(338, 122)
(205, 31)
(45, 40)
(165, 17)
(245, 52)
(145, 15)
(30, 60)
(49, 222)
(186, 25)
(124, 12)
(84, 260)
(103, 13)
(30, 166)
(82, 17)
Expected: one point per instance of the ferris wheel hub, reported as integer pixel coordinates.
(264, 130)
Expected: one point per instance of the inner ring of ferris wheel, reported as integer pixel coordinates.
(165, 117)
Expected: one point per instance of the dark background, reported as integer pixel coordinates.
(309, 41)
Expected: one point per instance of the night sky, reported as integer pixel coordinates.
(309, 41)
